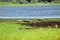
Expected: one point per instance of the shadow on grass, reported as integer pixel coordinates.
(27, 28)
(52, 24)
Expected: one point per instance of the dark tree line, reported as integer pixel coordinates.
(27, 1)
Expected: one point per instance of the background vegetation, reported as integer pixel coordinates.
(29, 1)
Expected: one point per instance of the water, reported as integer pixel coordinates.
(30, 11)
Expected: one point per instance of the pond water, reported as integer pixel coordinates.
(30, 11)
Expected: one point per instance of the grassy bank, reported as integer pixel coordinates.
(9, 30)
(29, 4)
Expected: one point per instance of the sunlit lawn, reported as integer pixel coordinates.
(11, 31)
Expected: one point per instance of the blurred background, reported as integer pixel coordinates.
(30, 1)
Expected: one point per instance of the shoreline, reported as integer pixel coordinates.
(33, 4)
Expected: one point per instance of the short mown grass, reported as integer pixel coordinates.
(11, 31)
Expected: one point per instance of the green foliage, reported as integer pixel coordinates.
(5, 0)
(57, 1)
(27, 1)
(13, 1)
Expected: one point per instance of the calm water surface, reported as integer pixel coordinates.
(30, 11)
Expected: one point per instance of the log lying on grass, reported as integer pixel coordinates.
(26, 21)
(39, 19)
(19, 20)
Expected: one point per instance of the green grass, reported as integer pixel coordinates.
(9, 30)
(29, 4)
